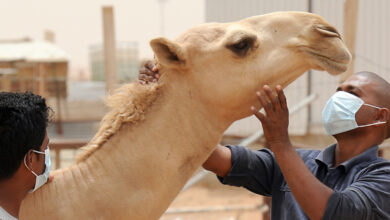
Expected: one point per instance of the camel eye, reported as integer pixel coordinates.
(242, 47)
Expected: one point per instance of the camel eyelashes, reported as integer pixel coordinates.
(242, 47)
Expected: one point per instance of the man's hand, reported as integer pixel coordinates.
(311, 194)
(148, 73)
(51, 177)
(275, 121)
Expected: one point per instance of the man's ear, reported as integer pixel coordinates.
(168, 53)
(29, 158)
(383, 115)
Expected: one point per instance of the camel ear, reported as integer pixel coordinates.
(168, 53)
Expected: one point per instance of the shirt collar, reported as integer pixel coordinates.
(326, 157)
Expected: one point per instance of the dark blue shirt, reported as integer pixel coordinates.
(361, 185)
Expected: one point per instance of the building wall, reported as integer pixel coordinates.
(27, 78)
(372, 51)
(232, 10)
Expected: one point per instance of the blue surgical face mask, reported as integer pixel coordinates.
(338, 115)
(41, 179)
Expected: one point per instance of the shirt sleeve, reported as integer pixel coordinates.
(251, 169)
(367, 198)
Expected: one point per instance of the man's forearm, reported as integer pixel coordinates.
(220, 161)
(311, 194)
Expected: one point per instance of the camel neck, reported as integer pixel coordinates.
(149, 162)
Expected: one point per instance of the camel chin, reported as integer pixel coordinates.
(332, 66)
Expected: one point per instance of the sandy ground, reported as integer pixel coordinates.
(210, 193)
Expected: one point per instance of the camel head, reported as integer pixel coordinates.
(223, 64)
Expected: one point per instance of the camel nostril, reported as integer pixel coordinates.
(328, 31)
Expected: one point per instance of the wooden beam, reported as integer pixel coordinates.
(349, 29)
(58, 158)
(35, 78)
(42, 79)
(109, 48)
(22, 81)
(60, 144)
(58, 91)
(6, 84)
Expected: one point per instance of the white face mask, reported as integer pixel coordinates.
(41, 179)
(338, 115)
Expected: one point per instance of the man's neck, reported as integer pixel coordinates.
(351, 144)
(12, 192)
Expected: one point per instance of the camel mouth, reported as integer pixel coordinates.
(330, 64)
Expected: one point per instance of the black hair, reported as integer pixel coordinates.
(24, 118)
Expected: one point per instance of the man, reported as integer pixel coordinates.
(24, 150)
(345, 181)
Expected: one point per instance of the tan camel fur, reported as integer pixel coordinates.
(156, 136)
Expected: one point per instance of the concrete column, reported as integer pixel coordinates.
(42, 79)
(349, 32)
(6, 83)
(109, 48)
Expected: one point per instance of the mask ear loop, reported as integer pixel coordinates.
(373, 106)
(38, 152)
(376, 123)
(25, 164)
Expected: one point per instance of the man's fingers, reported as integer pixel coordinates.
(261, 99)
(258, 114)
(146, 71)
(272, 97)
(51, 177)
(282, 97)
(149, 65)
(147, 79)
(151, 78)
(267, 105)
(143, 79)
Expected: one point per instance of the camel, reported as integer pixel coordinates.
(156, 136)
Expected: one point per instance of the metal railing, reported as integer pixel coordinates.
(257, 207)
(57, 145)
